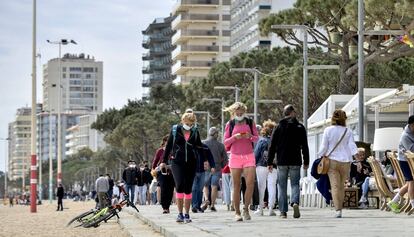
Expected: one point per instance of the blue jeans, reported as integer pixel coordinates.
(197, 190)
(365, 188)
(226, 178)
(130, 189)
(282, 176)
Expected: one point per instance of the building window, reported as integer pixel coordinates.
(64, 75)
(75, 69)
(64, 69)
(88, 76)
(88, 69)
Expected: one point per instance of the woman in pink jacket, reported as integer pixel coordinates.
(239, 137)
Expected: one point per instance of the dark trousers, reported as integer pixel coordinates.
(167, 189)
(60, 203)
(184, 174)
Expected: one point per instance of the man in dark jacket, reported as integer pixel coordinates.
(130, 177)
(59, 194)
(290, 143)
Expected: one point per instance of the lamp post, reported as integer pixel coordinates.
(222, 112)
(256, 92)
(5, 164)
(235, 88)
(207, 113)
(33, 168)
(59, 133)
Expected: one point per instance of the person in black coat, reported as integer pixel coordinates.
(130, 176)
(59, 194)
(289, 143)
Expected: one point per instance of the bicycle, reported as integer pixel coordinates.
(93, 218)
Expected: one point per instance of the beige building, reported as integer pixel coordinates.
(202, 37)
(20, 144)
(81, 83)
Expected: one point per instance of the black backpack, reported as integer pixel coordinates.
(248, 121)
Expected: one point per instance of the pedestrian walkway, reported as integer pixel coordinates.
(314, 222)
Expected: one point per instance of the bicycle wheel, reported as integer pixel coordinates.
(95, 222)
(81, 217)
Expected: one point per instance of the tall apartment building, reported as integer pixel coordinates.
(157, 60)
(245, 18)
(202, 37)
(81, 136)
(20, 143)
(81, 84)
(47, 128)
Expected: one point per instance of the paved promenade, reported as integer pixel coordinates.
(314, 222)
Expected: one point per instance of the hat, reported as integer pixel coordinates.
(212, 131)
(189, 110)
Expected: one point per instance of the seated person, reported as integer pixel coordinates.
(386, 163)
(360, 174)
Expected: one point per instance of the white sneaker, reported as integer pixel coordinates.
(272, 213)
(338, 214)
(363, 200)
(259, 212)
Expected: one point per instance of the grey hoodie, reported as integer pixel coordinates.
(406, 143)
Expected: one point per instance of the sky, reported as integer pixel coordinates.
(109, 30)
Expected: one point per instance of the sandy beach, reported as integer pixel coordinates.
(18, 221)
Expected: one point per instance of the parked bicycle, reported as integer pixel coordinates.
(93, 218)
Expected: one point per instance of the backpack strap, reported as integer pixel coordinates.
(250, 123)
(174, 132)
(232, 124)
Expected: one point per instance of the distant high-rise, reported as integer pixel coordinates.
(245, 18)
(157, 60)
(202, 37)
(81, 84)
(19, 144)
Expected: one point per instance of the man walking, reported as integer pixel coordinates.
(102, 187)
(290, 143)
(130, 177)
(59, 194)
(220, 160)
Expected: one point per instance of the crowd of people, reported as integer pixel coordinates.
(250, 166)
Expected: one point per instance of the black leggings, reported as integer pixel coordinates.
(167, 189)
(184, 174)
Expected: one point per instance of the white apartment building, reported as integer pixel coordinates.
(81, 84)
(202, 37)
(47, 128)
(81, 136)
(20, 143)
(245, 18)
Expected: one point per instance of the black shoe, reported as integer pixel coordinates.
(194, 210)
(283, 215)
(213, 209)
(165, 211)
(200, 210)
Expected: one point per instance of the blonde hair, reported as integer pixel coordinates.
(236, 106)
(268, 127)
(188, 117)
(339, 118)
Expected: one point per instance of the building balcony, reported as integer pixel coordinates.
(183, 5)
(181, 67)
(184, 35)
(184, 19)
(146, 56)
(184, 50)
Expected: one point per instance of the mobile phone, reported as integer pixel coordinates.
(243, 133)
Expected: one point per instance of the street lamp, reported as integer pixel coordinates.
(59, 133)
(256, 92)
(222, 112)
(235, 88)
(5, 163)
(207, 113)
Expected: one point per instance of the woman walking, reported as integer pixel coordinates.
(239, 137)
(165, 188)
(338, 143)
(182, 145)
(262, 172)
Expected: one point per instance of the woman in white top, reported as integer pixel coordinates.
(340, 157)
